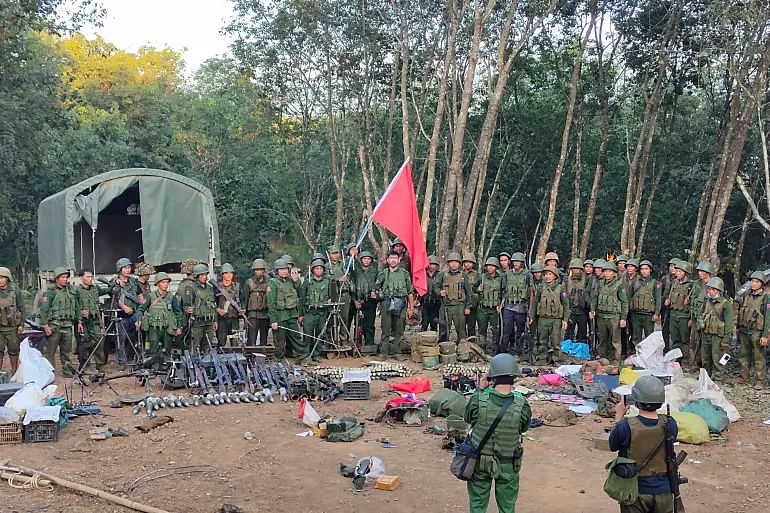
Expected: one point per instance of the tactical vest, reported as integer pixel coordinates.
(643, 299)
(184, 285)
(160, 314)
(644, 440)
(714, 317)
(62, 308)
(608, 300)
(10, 314)
(697, 296)
(680, 292)
(550, 302)
(473, 277)
(490, 296)
(204, 305)
(257, 298)
(317, 293)
(453, 284)
(507, 436)
(576, 292)
(365, 282)
(396, 283)
(286, 295)
(752, 315)
(233, 290)
(516, 290)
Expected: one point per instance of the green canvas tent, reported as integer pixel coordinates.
(146, 215)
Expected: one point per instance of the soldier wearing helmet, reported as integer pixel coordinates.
(501, 456)
(161, 319)
(715, 320)
(124, 285)
(365, 298)
(754, 330)
(314, 297)
(88, 334)
(58, 315)
(579, 304)
(12, 315)
(404, 261)
(474, 278)
(705, 270)
(394, 289)
(185, 300)
(505, 261)
(255, 298)
(203, 310)
(516, 294)
(550, 312)
(341, 285)
(610, 308)
(228, 318)
(283, 307)
(456, 294)
(490, 291)
(431, 301)
(678, 301)
(645, 292)
(667, 281)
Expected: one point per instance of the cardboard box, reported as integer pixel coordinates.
(387, 483)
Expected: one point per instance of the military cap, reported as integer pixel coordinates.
(200, 269)
(333, 249)
(634, 262)
(504, 253)
(551, 255)
(705, 266)
(537, 267)
(518, 257)
(121, 263)
(433, 259)
(144, 269)
(611, 266)
(716, 283)
(551, 269)
(645, 262)
(160, 277)
(188, 265)
(493, 261)
(280, 264)
(364, 254)
(258, 263)
(469, 258)
(319, 256)
(588, 261)
(622, 258)
(227, 268)
(758, 275)
(454, 256)
(4, 271)
(315, 263)
(684, 266)
(575, 263)
(59, 271)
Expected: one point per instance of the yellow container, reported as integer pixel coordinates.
(416, 355)
(387, 483)
(428, 351)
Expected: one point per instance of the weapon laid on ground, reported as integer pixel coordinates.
(673, 461)
(230, 299)
(218, 370)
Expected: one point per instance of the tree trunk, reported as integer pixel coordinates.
(578, 174)
(483, 249)
(741, 244)
(505, 209)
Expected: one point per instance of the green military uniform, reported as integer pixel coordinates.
(578, 306)
(340, 289)
(666, 282)
(456, 301)
(230, 322)
(490, 299)
(610, 307)
(716, 320)
(184, 300)
(282, 306)
(87, 299)
(392, 286)
(12, 315)
(316, 293)
(473, 277)
(753, 324)
(645, 302)
(431, 303)
(204, 315)
(496, 459)
(58, 312)
(160, 317)
(364, 283)
(255, 297)
(515, 307)
(679, 331)
(551, 307)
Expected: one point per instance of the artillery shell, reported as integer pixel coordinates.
(138, 407)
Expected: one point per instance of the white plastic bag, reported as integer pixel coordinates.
(31, 396)
(308, 414)
(707, 389)
(376, 467)
(8, 415)
(33, 368)
(649, 352)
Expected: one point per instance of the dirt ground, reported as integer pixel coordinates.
(562, 471)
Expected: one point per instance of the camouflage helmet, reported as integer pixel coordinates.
(288, 259)
(518, 257)
(433, 259)
(454, 256)
(316, 263)
(599, 263)
(469, 258)
(645, 262)
(349, 247)
(280, 264)
(649, 389)
(363, 254)
(716, 283)
(634, 262)
(397, 240)
(319, 256)
(758, 275)
(144, 269)
(575, 263)
(4, 271)
(551, 269)
(159, 277)
(188, 265)
(59, 271)
(227, 268)
(705, 267)
(537, 267)
(622, 258)
(503, 364)
(610, 265)
(551, 255)
(504, 254)
(200, 269)
(684, 266)
(673, 261)
(493, 261)
(258, 263)
(588, 261)
(121, 263)
(333, 249)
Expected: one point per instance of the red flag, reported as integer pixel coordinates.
(397, 211)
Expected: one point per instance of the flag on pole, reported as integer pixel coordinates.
(397, 212)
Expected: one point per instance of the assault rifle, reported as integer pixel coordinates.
(673, 460)
(230, 299)
(123, 291)
(219, 372)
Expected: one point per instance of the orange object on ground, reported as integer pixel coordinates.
(387, 483)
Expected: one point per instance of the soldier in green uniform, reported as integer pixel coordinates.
(340, 285)
(550, 312)
(289, 260)
(620, 262)
(697, 298)
(255, 298)
(228, 319)
(754, 330)
(596, 279)
(89, 326)
(352, 251)
(490, 290)
(58, 315)
(315, 296)
(456, 296)
(515, 305)
(394, 289)
(365, 280)
(627, 278)
(403, 256)
(505, 261)
(184, 300)
(431, 301)
(283, 307)
(501, 457)
(610, 308)
(535, 281)
(473, 277)
(579, 304)
(645, 303)
(161, 319)
(678, 301)
(666, 282)
(551, 259)
(588, 268)
(716, 322)
(125, 285)
(12, 315)
(203, 310)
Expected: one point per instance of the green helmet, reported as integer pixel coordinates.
(503, 364)
(716, 283)
(333, 249)
(599, 262)
(365, 254)
(504, 253)
(551, 269)
(648, 389)
(61, 270)
(200, 269)
(610, 265)
(622, 258)
(645, 262)
(4, 271)
(673, 261)
(433, 259)
(518, 257)
(397, 241)
(588, 261)
(159, 277)
(121, 263)
(469, 258)
(227, 268)
(454, 256)
(705, 266)
(551, 255)
(575, 263)
(258, 264)
(493, 261)
(684, 266)
(758, 275)
(537, 267)
(634, 262)
(316, 263)
(280, 264)
(288, 259)
(319, 256)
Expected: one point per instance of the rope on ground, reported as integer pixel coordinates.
(28, 482)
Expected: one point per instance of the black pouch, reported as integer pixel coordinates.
(518, 455)
(396, 305)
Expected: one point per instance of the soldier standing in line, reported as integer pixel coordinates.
(12, 315)
(754, 331)
(678, 301)
(535, 281)
(550, 312)
(58, 316)
(666, 282)
(473, 276)
(316, 294)
(161, 318)
(124, 284)
(340, 285)
(184, 300)
(255, 298)
(431, 301)
(645, 303)
(289, 260)
(365, 280)
(352, 251)
(228, 319)
(697, 298)
(490, 290)
(456, 296)
(505, 261)
(579, 304)
(282, 304)
(515, 305)
(394, 289)
(203, 310)
(716, 319)
(620, 262)
(610, 308)
(89, 326)
(626, 279)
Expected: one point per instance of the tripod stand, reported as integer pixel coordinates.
(334, 330)
(116, 325)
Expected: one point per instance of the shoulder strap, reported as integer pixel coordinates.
(497, 420)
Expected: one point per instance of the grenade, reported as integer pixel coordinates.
(226, 398)
(217, 400)
(156, 403)
(196, 400)
(170, 401)
(234, 397)
(162, 402)
(269, 395)
(244, 397)
(208, 400)
(139, 407)
(181, 402)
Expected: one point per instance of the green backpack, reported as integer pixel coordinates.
(622, 483)
(346, 429)
(446, 402)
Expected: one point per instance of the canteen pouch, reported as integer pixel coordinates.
(624, 490)
(396, 305)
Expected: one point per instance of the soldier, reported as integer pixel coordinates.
(58, 315)
(125, 285)
(697, 298)
(579, 304)
(645, 292)
(620, 262)
(500, 458)
(289, 260)
(352, 251)
(627, 278)
(456, 296)
(161, 318)
(394, 289)
(610, 308)
(666, 282)
(552, 259)
(473, 277)
(403, 256)
(505, 261)
(228, 319)
(365, 279)
(431, 301)
(282, 304)
(89, 325)
(596, 278)
(678, 301)
(550, 312)
(184, 300)
(754, 330)
(255, 298)
(535, 281)
(588, 268)
(515, 305)
(716, 321)
(203, 310)
(340, 285)
(12, 315)
(316, 295)
(490, 289)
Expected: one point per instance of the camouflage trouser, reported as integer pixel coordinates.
(204, 337)
(391, 325)
(711, 352)
(752, 350)
(92, 334)
(160, 346)
(61, 338)
(549, 336)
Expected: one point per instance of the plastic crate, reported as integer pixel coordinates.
(42, 431)
(355, 390)
(12, 432)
